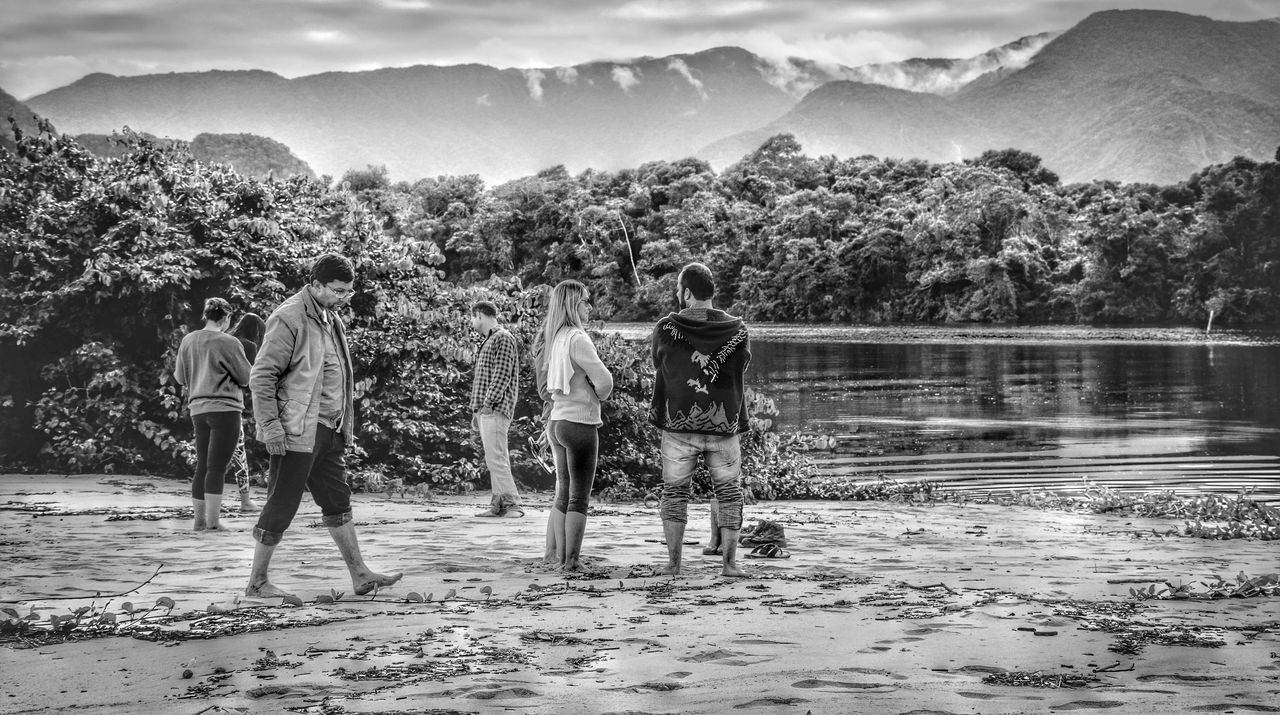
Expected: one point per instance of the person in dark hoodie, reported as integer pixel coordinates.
(700, 355)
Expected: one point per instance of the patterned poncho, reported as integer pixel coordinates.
(701, 359)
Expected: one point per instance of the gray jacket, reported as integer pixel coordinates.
(288, 375)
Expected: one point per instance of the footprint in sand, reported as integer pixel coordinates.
(1233, 707)
(502, 694)
(813, 684)
(1179, 678)
(708, 656)
(876, 671)
(723, 657)
(769, 702)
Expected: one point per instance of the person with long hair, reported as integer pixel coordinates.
(249, 331)
(573, 380)
(212, 366)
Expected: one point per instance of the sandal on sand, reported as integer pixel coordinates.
(512, 512)
(769, 551)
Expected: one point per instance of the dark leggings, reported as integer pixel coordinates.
(217, 434)
(574, 445)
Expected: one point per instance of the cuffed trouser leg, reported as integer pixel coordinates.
(679, 457)
(323, 471)
(493, 431)
(723, 456)
(724, 461)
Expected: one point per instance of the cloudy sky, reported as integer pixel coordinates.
(50, 43)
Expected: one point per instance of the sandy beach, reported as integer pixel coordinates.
(881, 608)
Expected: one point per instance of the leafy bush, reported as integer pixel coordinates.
(107, 261)
(1242, 586)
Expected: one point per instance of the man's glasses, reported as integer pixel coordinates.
(342, 292)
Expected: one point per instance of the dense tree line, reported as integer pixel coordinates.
(796, 238)
(106, 261)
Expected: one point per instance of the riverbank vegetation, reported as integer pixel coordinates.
(1206, 516)
(106, 261)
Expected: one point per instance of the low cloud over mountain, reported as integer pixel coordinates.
(1131, 95)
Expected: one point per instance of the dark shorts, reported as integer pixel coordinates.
(323, 471)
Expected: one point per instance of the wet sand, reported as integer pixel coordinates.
(882, 608)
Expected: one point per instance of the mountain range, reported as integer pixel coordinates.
(1129, 95)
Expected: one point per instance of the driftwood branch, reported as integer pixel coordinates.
(930, 587)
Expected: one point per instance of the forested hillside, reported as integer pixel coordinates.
(11, 107)
(248, 154)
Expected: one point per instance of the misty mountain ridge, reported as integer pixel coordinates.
(947, 76)
(1129, 95)
(247, 154)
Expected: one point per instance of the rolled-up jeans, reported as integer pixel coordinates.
(723, 455)
(493, 429)
(323, 471)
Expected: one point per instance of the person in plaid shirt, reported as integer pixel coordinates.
(493, 403)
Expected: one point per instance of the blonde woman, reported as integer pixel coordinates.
(573, 380)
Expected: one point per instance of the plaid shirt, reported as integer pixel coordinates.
(496, 383)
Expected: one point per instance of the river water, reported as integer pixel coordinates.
(983, 408)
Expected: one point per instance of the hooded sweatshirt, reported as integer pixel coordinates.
(700, 357)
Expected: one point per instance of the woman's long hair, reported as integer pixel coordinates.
(250, 327)
(562, 312)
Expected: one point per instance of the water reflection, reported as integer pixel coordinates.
(989, 407)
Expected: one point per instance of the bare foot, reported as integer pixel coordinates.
(248, 507)
(266, 589)
(732, 571)
(670, 570)
(571, 566)
(375, 581)
(199, 525)
(215, 527)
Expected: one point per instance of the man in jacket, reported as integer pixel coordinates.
(700, 356)
(303, 405)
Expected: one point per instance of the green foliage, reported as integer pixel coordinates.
(1209, 516)
(1242, 586)
(108, 259)
(796, 238)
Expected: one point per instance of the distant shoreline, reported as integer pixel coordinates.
(976, 333)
